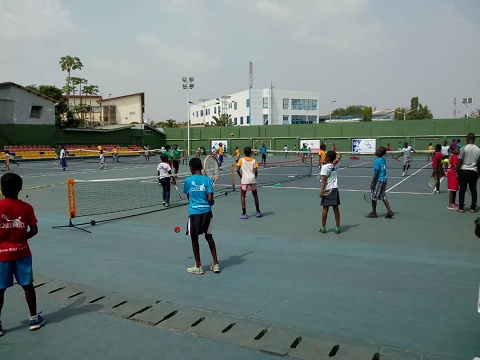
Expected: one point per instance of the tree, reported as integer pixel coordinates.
(90, 90)
(69, 63)
(367, 113)
(222, 120)
(416, 112)
(352, 110)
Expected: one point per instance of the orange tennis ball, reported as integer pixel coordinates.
(177, 229)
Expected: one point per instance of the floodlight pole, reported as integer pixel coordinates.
(331, 102)
(404, 113)
(188, 84)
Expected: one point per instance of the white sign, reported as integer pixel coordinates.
(364, 145)
(216, 143)
(313, 145)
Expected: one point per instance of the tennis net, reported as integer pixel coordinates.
(279, 172)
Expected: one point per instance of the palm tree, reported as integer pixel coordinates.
(69, 63)
(91, 90)
(222, 120)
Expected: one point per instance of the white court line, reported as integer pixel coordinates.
(394, 186)
(344, 190)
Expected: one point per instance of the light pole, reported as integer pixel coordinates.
(331, 102)
(404, 113)
(188, 85)
(224, 101)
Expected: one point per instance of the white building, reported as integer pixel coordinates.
(259, 107)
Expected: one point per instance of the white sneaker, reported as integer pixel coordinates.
(403, 174)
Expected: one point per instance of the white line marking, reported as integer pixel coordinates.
(394, 186)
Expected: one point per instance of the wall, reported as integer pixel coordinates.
(419, 133)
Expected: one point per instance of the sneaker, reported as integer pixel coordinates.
(36, 322)
(371, 215)
(215, 268)
(323, 230)
(337, 230)
(1, 331)
(167, 204)
(389, 214)
(244, 216)
(164, 202)
(258, 214)
(460, 210)
(196, 270)
(472, 210)
(452, 206)
(436, 191)
(403, 174)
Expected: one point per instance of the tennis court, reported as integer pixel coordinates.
(401, 288)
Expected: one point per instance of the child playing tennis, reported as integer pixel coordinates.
(437, 165)
(452, 179)
(237, 154)
(101, 161)
(199, 190)
(17, 224)
(247, 169)
(406, 151)
(378, 185)
(9, 159)
(329, 190)
(164, 172)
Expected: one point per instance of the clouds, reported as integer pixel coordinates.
(29, 20)
(376, 52)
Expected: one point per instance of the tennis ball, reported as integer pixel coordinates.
(177, 229)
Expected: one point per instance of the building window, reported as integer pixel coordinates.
(215, 110)
(304, 104)
(201, 112)
(148, 132)
(219, 110)
(285, 119)
(303, 119)
(248, 119)
(265, 102)
(36, 112)
(265, 119)
(234, 121)
(285, 104)
(248, 103)
(235, 105)
(197, 113)
(241, 120)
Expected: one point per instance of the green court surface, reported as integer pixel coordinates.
(401, 288)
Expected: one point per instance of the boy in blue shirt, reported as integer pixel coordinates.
(199, 191)
(379, 184)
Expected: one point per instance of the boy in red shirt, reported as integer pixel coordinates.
(437, 166)
(17, 224)
(452, 179)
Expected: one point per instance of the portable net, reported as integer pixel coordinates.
(106, 196)
(278, 172)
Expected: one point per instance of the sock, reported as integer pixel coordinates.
(34, 317)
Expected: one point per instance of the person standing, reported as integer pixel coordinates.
(328, 173)
(285, 149)
(63, 158)
(101, 161)
(445, 151)
(199, 190)
(263, 150)
(237, 154)
(175, 159)
(378, 185)
(17, 224)
(247, 169)
(220, 155)
(452, 179)
(115, 154)
(437, 168)
(468, 172)
(407, 157)
(164, 172)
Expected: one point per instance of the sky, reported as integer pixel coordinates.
(379, 53)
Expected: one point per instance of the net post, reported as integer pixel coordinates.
(72, 208)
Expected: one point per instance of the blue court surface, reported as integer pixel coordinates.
(401, 288)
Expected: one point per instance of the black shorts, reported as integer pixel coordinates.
(199, 224)
(176, 164)
(331, 199)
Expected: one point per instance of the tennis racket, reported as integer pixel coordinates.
(432, 181)
(211, 167)
(178, 192)
(367, 196)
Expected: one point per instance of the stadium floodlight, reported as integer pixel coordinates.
(188, 85)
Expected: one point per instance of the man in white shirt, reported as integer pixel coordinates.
(468, 172)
